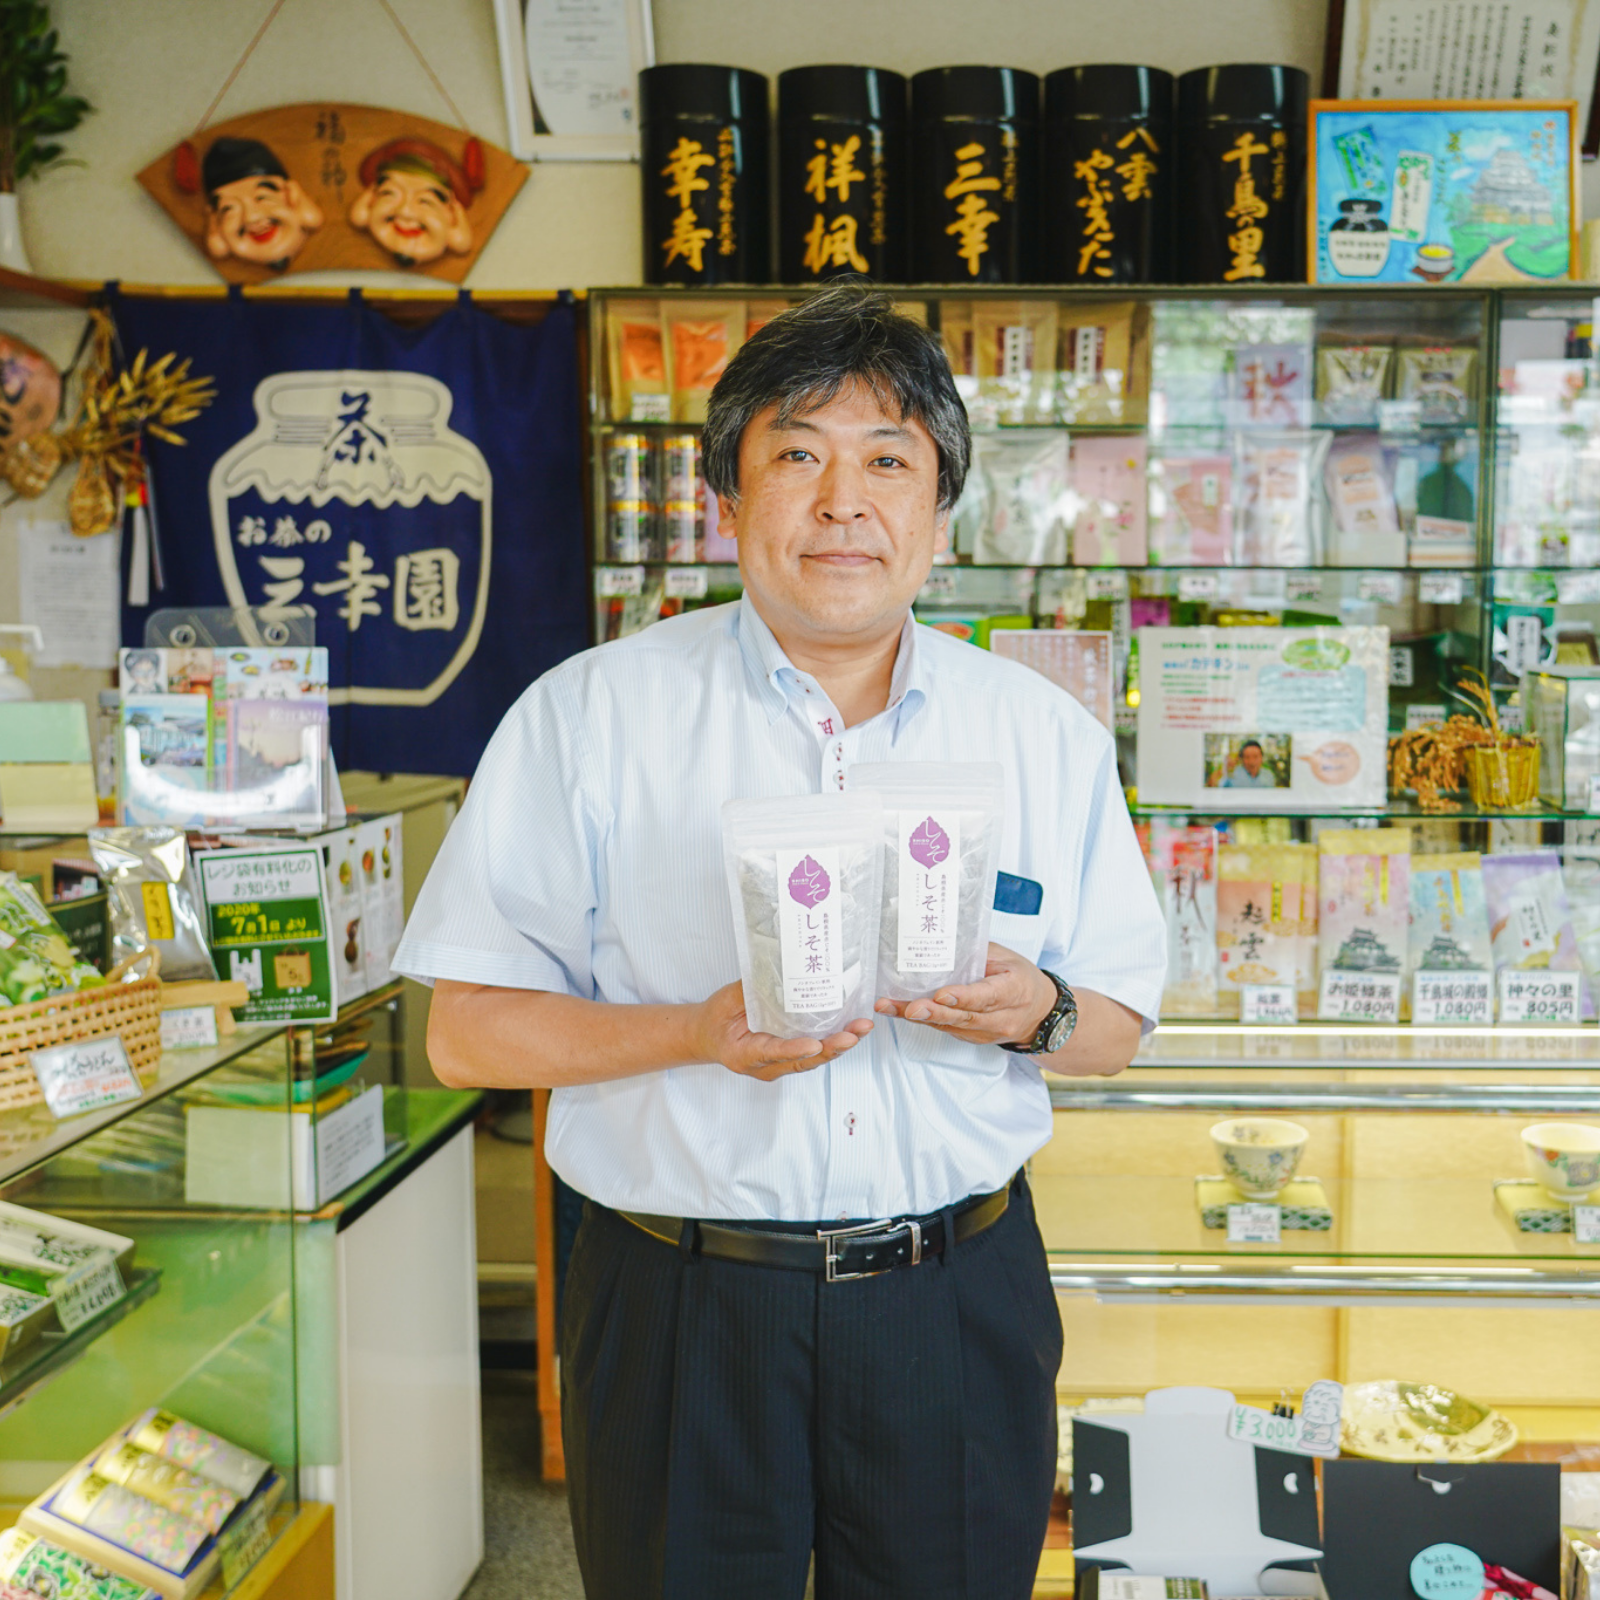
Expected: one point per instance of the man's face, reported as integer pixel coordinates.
(261, 219)
(1250, 759)
(837, 517)
(415, 217)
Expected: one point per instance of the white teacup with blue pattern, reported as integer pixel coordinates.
(1564, 1158)
(1259, 1155)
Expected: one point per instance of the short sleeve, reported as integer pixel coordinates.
(510, 899)
(1117, 943)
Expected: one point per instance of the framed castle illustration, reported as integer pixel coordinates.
(1442, 191)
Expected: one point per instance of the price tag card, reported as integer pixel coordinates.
(1382, 587)
(1594, 792)
(1274, 1004)
(1421, 716)
(1360, 996)
(1253, 1223)
(621, 580)
(188, 1027)
(85, 1076)
(1441, 588)
(1452, 997)
(87, 1290)
(687, 583)
(244, 1541)
(1586, 1224)
(349, 1143)
(1197, 585)
(1538, 996)
(1110, 586)
(1577, 588)
(1303, 586)
(939, 586)
(1314, 1432)
(650, 408)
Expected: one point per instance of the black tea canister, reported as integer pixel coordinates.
(703, 154)
(974, 154)
(841, 174)
(1240, 215)
(1106, 175)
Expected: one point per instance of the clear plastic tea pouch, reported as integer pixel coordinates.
(804, 875)
(942, 823)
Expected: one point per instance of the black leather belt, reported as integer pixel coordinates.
(858, 1251)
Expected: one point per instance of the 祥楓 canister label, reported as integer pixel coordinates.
(930, 883)
(810, 928)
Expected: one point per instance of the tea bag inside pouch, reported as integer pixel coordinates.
(150, 884)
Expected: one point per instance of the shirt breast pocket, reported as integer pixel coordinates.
(1017, 921)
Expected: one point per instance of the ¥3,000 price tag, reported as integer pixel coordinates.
(87, 1290)
(1269, 1003)
(1255, 1223)
(1538, 996)
(1586, 1224)
(1314, 1432)
(188, 1027)
(86, 1075)
(1360, 996)
(1452, 997)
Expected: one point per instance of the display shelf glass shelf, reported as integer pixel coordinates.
(1199, 1044)
(1393, 811)
(1578, 1096)
(40, 1361)
(30, 1134)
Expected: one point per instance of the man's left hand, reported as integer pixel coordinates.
(1005, 1006)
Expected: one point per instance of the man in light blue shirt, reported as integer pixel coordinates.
(1251, 771)
(808, 1312)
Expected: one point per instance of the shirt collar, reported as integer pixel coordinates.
(775, 675)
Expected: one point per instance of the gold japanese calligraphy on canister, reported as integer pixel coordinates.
(974, 144)
(1240, 214)
(703, 169)
(842, 196)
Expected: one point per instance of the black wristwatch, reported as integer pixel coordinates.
(1057, 1026)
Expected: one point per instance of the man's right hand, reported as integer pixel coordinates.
(723, 1034)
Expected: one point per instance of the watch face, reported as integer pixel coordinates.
(1059, 1033)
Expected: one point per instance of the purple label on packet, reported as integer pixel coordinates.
(808, 883)
(929, 844)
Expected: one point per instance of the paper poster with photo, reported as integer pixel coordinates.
(1263, 719)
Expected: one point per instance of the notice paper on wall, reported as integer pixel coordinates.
(68, 588)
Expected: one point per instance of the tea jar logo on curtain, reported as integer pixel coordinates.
(353, 497)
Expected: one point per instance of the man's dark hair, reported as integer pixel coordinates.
(1247, 745)
(804, 358)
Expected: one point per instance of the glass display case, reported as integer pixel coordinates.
(1356, 530)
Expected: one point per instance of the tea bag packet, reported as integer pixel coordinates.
(1449, 914)
(1530, 922)
(1261, 895)
(1350, 381)
(164, 1537)
(1440, 380)
(942, 824)
(956, 335)
(1279, 508)
(33, 1566)
(1364, 898)
(805, 876)
(701, 338)
(1359, 477)
(1191, 509)
(35, 958)
(150, 884)
(1015, 347)
(1023, 482)
(166, 1483)
(637, 362)
(160, 1433)
(1183, 866)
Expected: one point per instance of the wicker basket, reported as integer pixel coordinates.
(1503, 775)
(131, 1010)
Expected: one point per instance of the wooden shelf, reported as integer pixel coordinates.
(22, 291)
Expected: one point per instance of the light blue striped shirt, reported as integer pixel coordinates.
(588, 860)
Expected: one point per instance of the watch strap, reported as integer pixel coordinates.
(1066, 1003)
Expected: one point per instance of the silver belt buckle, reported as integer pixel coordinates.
(887, 1228)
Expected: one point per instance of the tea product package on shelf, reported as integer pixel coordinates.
(1359, 477)
(1440, 378)
(1110, 500)
(1020, 490)
(805, 876)
(956, 335)
(637, 362)
(1266, 900)
(1098, 355)
(1191, 510)
(1449, 914)
(36, 1567)
(942, 824)
(161, 1433)
(702, 337)
(1530, 924)
(35, 957)
(1075, 659)
(1561, 704)
(1014, 342)
(1279, 509)
(1364, 899)
(1351, 380)
(166, 1483)
(1183, 866)
(98, 1506)
(150, 885)
(1270, 386)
